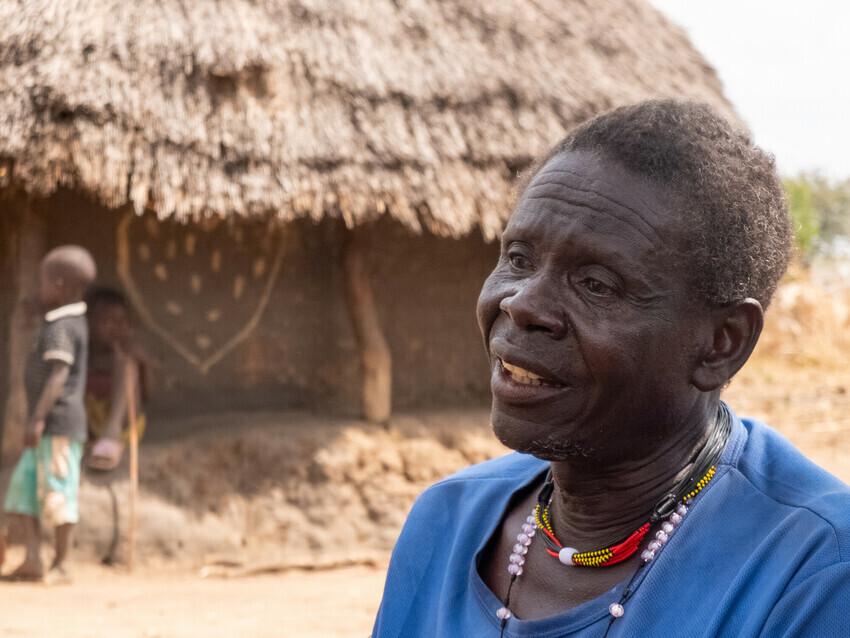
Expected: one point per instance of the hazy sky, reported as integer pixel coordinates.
(785, 64)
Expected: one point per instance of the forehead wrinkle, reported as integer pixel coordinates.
(592, 179)
(596, 193)
(577, 204)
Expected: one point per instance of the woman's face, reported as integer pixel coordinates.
(110, 323)
(588, 320)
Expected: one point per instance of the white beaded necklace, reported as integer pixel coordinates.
(529, 529)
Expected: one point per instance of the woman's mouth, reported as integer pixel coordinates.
(516, 385)
(523, 376)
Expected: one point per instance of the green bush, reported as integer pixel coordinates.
(820, 209)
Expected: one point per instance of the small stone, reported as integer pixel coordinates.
(647, 555)
(654, 546)
(682, 509)
(616, 610)
(516, 558)
(662, 536)
(530, 520)
(668, 527)
(503, 613)
(566, 555)
(675, 518)
(514, 570)
(525, 539)
(527, 527)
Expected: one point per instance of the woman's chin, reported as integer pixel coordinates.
(546, 442)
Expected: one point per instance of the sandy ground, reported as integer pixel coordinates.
(105, 602)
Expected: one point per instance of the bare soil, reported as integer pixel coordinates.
(103, 602)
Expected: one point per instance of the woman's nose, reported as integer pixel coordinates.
(531, 311)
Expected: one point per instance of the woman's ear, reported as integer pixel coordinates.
(736, 330)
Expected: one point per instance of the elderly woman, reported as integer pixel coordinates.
(631, 287)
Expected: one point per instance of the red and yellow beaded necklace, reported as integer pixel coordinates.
(604, 556)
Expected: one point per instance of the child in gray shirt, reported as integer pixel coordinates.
(45, 483)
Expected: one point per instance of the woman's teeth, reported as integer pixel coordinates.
(521, 375)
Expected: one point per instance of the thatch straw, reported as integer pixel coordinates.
(424, 109)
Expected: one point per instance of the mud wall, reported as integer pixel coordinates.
(252, 316)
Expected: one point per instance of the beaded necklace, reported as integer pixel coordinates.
(672, 509)
(605, 556)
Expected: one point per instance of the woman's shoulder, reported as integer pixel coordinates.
(480, 484)
(464, 507)
(510, 467)
(773, 466)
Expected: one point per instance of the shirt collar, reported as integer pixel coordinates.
(70, 310)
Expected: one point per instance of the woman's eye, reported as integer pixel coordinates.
(518, 261)
(596, 287)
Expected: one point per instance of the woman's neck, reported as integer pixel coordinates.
(596, 504)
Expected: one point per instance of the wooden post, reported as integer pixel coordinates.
(375, 359)
(8, 248)
(29, 247)
(130, 389)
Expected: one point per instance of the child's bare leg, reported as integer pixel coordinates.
(63, 542)
(107, 450)
(124, 375)
(112, 431)
(32, 567)
(2, 547)
(58, 574)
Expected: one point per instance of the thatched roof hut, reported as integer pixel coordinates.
(423, 110)
(417, 110)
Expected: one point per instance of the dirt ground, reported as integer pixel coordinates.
(234, 495)
(339, 603)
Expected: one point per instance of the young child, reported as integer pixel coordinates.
(117, 367)
(44, 485)
(113, 357)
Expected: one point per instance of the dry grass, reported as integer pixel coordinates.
(799, 378)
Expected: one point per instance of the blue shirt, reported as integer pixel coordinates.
(764, 551)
